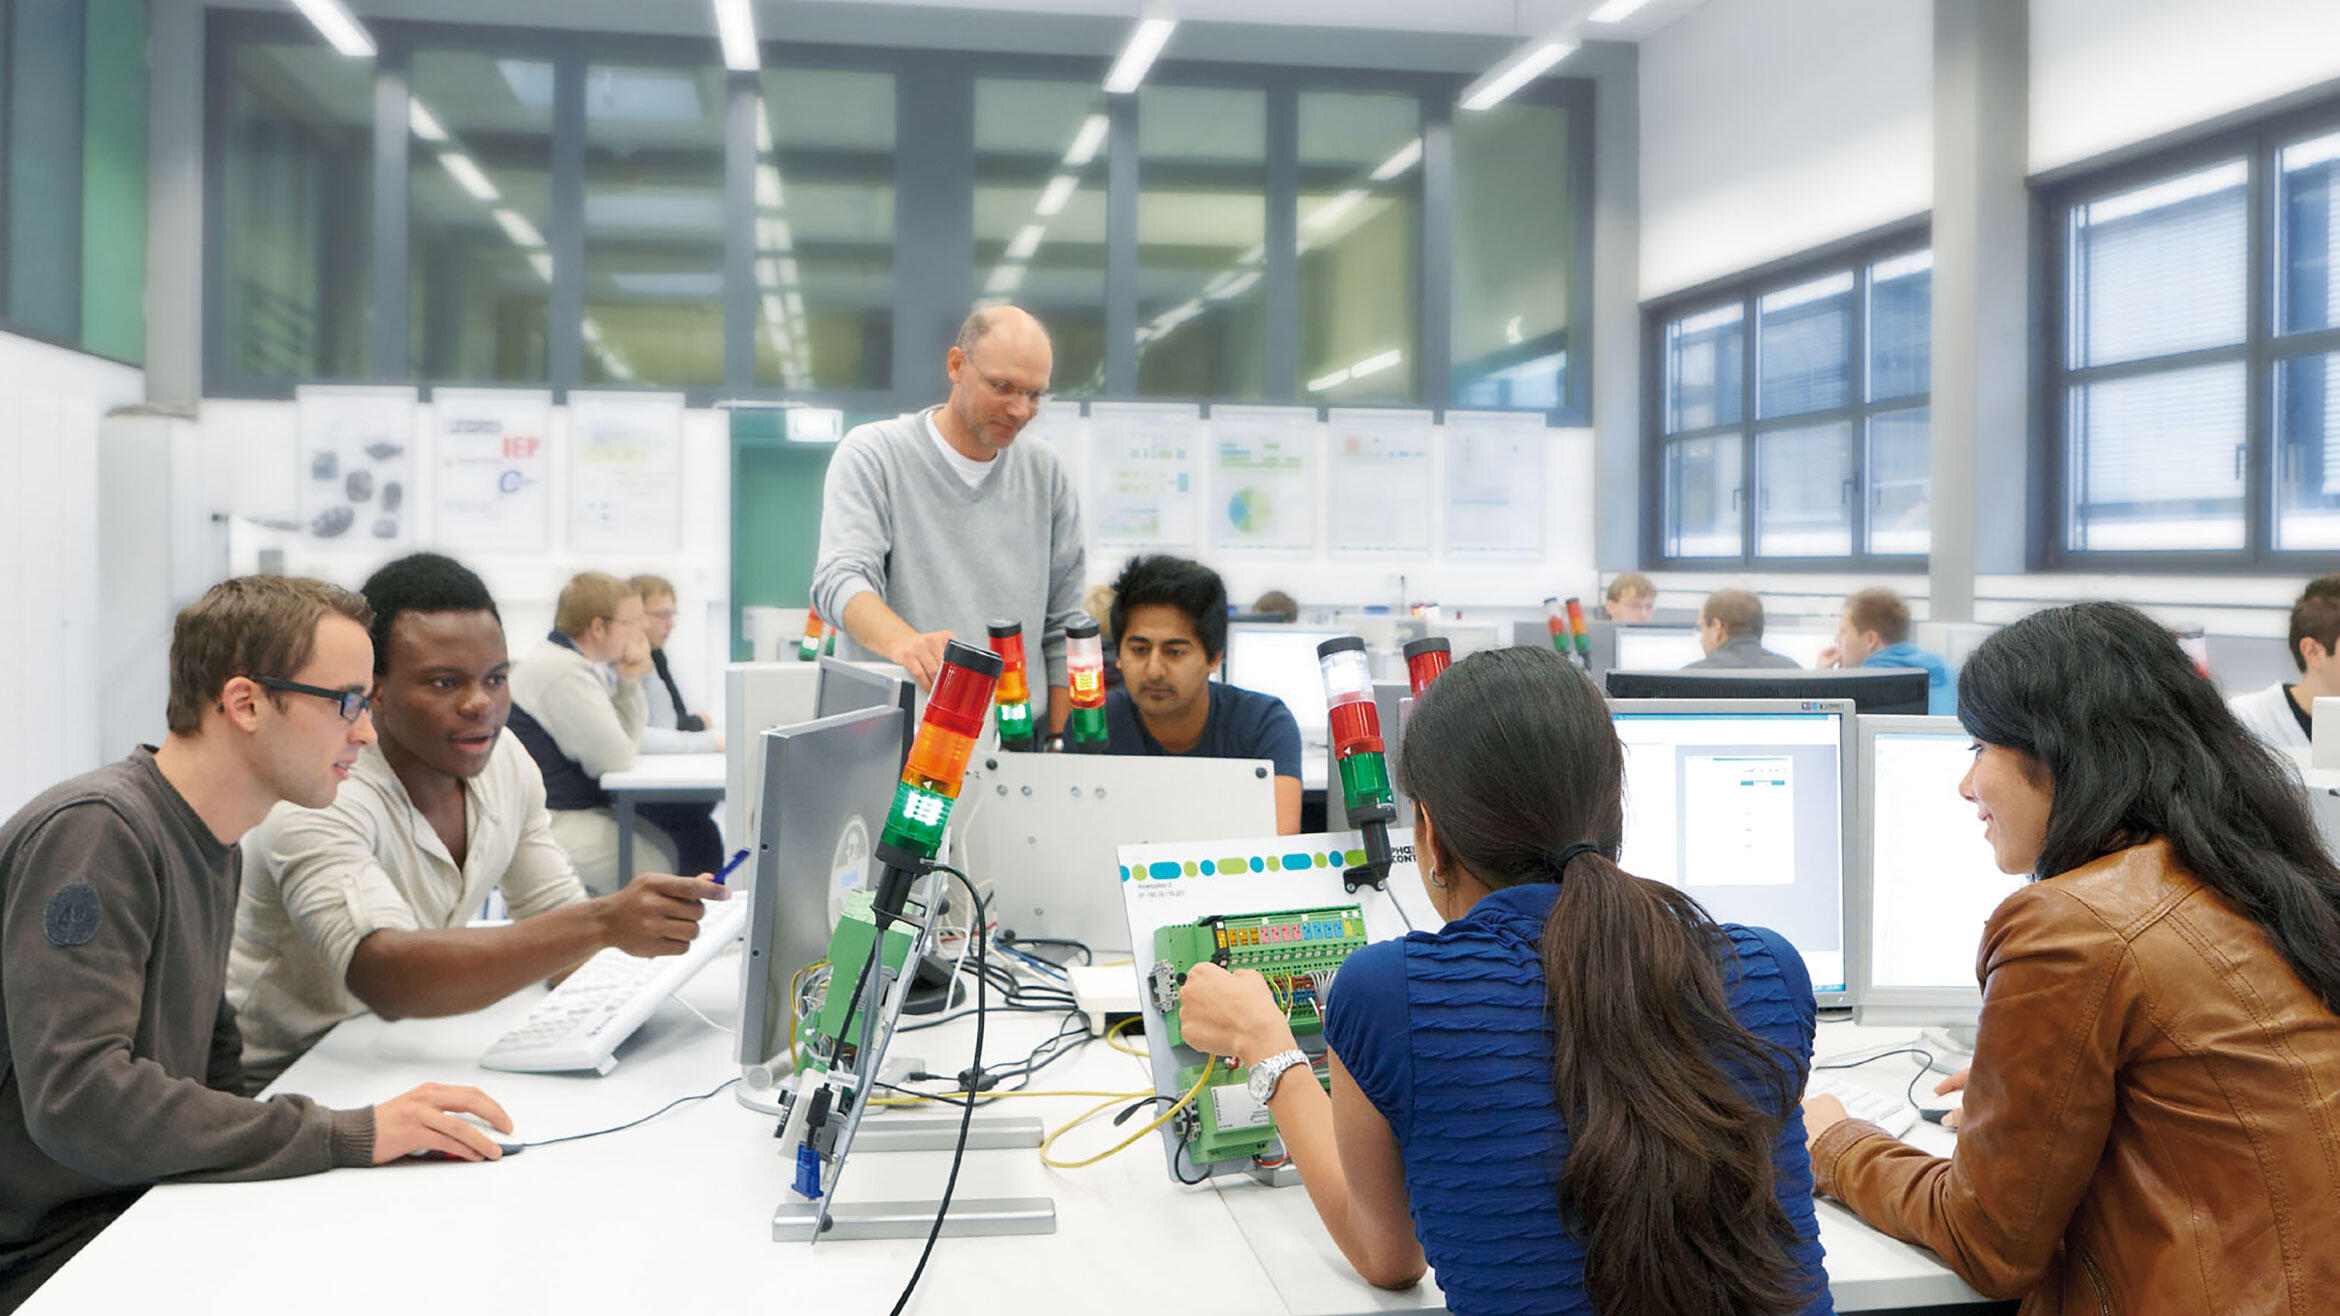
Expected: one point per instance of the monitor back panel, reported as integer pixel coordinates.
(1046, 830)
(756, 698)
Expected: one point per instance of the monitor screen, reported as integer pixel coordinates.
(827, 787)
(1803, 646)
(1932, 881)
(1656, 648)
(1745, 810)
(1281, 661)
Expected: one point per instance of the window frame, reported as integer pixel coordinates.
(1747, 289)
(2262, 350)
(924, 80)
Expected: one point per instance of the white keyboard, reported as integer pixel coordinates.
(582, 1022)
(1891, 1114)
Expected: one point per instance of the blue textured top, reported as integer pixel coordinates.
(1461, 1014)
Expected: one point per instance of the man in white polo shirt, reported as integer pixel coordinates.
(363, 905)
(2281, 714)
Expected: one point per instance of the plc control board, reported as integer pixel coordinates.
(1298, 951)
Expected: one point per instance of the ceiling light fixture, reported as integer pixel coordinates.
(1026, 242)
(1328, 214)
(1087, 142)
(1060, 191)
(1406, 158)
(1514, 71)
(339, 26)
(517, 228)
(735, 24)
(1145, 42)
(424, 123)
(467, 175)
(1616, 11)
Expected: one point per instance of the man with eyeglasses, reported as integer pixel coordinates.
(933, 524)
(119, 1057)
(365, 904)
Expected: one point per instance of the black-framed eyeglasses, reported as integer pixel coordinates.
(1035, 396)
(352, 703)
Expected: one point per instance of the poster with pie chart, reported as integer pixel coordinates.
(1263, 477)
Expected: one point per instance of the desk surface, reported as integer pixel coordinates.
(675, 1214)
(666, 772)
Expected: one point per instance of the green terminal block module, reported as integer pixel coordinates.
(1296, 950)
(848, 950)
(1228, 1123)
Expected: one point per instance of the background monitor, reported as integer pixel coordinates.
(757, 697)
(1743, 804)
(828, 784)
(1393, 703)
(1873, 689)
(845, 687)
(1280, 660)
(1044, 831)
(1805, 646)
(1928, 882)
(1647, 648)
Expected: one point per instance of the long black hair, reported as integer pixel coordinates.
(1668, 1180)
(2137, 746)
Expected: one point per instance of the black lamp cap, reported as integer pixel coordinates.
(1339, 644)
(1000, 630)
(1429, 644)
(981, 661)
(1080, 630)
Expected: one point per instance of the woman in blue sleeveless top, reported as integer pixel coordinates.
(1580, 1094)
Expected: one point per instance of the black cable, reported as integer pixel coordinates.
(967, 1111)
(1925, 1066)
(1088, 956)
(678, 1101)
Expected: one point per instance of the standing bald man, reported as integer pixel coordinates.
(933, 525)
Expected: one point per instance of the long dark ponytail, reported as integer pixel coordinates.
(2137, 746)
(1668, 1180)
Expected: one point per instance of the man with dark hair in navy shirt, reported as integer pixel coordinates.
(1170, 621)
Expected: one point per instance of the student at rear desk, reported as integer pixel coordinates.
(1170, 619)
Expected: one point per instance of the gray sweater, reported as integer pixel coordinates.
(1744, 651)
(120, 1057)
(896, 520)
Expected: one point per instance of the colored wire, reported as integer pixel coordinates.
(1113, 1038)
(1165, 1117)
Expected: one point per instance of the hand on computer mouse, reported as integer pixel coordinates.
(1955, 1083)
(431, 1119)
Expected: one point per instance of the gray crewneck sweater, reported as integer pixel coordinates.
(897, 520)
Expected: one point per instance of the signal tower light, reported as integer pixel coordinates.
(1556, 624)
(1425, 661)
(1084, 662)
(936, 768)
(1014, 697)
(1580, 633)
(809, 647)
(1358, 754)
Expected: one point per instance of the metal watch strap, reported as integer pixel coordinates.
(1270, 1072)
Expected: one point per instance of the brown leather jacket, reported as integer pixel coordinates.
(2153, 1119)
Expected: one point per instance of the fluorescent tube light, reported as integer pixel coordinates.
(1145, 42)
(768, 194)
(1005, 279)
(1328, 214)
(1087, 143)
(768, 274)
(1240, 286)
(774, 234)
(339, 26)
(541, 262)
(467, 175)
(1406, 158)
(1515, 71)
(1375, 364)
(735, 23)
(1060, 190)
(517, 228)
(1323, 382)
(425, 125)
(1615, 11)
(1027, 241)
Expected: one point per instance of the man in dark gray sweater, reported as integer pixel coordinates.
(120, 1058)
(934, 524)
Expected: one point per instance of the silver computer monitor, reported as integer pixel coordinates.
(757, 697)
(1927, 881)
(1745, 805)
(1045, 830)
(1654, 648)
(843, 687)
(1281, 661)
(828, 784)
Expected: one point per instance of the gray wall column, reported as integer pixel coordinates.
(934, 264)
(174, 204)
(1121, 248)
(1982, 259)
(387, 344)
(1615, 332)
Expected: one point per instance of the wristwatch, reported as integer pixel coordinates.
(1266, 1074)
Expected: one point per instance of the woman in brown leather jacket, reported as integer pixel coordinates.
(2152, 1120)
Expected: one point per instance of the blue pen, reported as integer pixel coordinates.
(736, 861)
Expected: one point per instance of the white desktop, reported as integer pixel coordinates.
(1743, 804)
(1281, 660)
(1927, 882)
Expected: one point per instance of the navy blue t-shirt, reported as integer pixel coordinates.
(1243, 724)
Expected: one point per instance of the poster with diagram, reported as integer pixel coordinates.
(1263, 477)
(625, 472)
(357, 462)
(1142, 475)
(1495, 483)
(1059, 426)
(1381, 481)
(492, 466)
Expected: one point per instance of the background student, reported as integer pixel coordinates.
(669, 727)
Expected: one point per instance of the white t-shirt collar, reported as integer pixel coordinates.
(969, 470)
